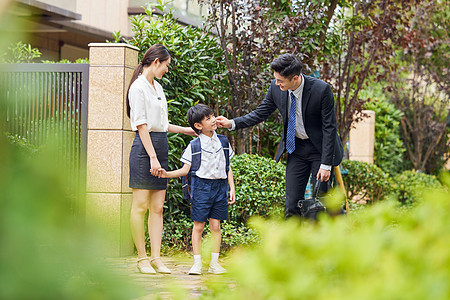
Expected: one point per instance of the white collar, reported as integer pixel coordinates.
(148, 84)
(207, 139)
(299, 91)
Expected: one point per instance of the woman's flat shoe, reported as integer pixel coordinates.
(161, 269)
(145, 270)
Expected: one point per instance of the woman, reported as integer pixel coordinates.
(147, 109)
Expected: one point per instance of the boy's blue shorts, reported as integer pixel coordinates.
(209, 199)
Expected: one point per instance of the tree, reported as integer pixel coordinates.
(251, 34)
(345, 42)
(247, 50)
(421, 86)
(365, 35)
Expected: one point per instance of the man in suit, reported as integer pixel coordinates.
(309, 136)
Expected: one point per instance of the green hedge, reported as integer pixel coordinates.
(381, 253)
(411, 186)
(366, 181)
(259, 185)
(259, 191)
(370, 183)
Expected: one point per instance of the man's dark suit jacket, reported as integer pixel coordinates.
(318, 117)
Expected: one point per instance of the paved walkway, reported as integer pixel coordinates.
(164, 286)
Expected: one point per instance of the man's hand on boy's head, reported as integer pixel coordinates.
(221, 121)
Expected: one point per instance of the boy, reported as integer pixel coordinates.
(209, 188)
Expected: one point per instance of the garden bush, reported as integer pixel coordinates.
(195, 75)
(366, 181)
(260, 191)
(22, 144)
(24, 53)
(381, 253)
(389, 148)
(259, 185)
(410, 186)
(20, 53)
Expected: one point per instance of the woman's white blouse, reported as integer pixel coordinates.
(148, 106)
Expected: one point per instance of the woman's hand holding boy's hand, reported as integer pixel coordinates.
(155, 166)
(162, 173)
(232, 196)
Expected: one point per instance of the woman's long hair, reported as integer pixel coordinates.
(154, 52)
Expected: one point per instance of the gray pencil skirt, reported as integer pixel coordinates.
(140, 176)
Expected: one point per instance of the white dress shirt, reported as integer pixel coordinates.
(212, 165)
(148, 105)
(300, 131)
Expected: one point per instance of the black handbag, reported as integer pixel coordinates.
(310, 208)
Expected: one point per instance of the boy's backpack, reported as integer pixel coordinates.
(196, 160)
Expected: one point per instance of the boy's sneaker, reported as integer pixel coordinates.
(196, 269)
(215, 268)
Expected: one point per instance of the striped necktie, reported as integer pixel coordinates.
(290, 134)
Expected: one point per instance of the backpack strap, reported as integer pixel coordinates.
(226, 150)
(196, 149)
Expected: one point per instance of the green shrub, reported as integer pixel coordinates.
(22, 144)
(195, 75)
(66, 61)
(366, 181)
(389, 148)
(382, 253)
(20, 53)
(259, 185)
(236, 234)
(411, 185)
(177, 233)
(260, 191)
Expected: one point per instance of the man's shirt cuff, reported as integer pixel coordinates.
(233, 125)
(325, 167)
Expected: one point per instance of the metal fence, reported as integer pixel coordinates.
(49, 101)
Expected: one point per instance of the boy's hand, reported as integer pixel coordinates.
(162, 173)
(232, 196)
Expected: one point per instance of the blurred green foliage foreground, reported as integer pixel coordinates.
(47, 251)
(382, 252)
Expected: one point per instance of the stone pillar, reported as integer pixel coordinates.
(362, 138)
(109, 143)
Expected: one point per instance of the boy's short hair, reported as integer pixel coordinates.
(287, 65)
(197, 113)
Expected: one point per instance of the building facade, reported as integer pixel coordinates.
(62, 29)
